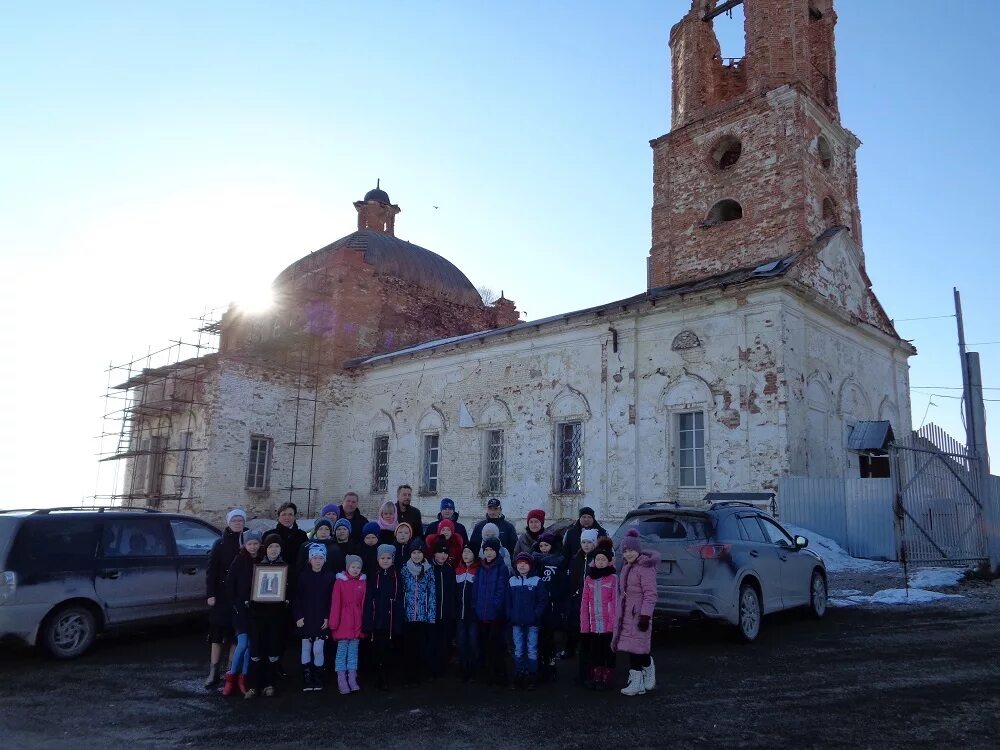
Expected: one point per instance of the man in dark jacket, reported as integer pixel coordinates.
(407, 513)
(448, 513)
(349, 510)
(220, 616)
(444, 618)
(494, 514)
(571, 540)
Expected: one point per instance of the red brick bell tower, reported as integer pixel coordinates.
(756, 164)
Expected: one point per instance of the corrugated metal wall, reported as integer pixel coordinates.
(855, 513)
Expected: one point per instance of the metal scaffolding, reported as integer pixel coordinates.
(150, 438)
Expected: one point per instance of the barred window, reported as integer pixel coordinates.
(493, 462)
(259, 465)
(431, 461)
(380, 464)
(569, 457)
(691, 449)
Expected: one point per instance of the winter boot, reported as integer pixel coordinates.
(532, 681)
(269, 691)
(230, 685)
(634, 686)
(352, 681)
(593, 678)
(307, 678)
(609, 678)
(213, 677)
(317, 678)
(342, 683)
(241, 683)
(649, 676)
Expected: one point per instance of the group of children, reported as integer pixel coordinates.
(401, 606)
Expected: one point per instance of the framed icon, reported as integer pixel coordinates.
(269, 583)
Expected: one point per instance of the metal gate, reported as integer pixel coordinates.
(938, 504)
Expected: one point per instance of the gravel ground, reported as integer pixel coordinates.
(879, 677)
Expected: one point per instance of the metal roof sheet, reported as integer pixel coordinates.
(870, 436)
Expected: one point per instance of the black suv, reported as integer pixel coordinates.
(68, 573)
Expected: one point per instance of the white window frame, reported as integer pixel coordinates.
(694, 450)
(493, 465)
(430, 463)
(560, 459)
(258, 475)
(380, 481)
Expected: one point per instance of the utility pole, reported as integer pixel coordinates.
(975, 430)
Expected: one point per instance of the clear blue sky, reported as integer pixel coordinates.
(161, 157)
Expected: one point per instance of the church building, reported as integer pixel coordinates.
(756, 347)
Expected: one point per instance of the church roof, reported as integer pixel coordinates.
(772, 269)
(394, 257)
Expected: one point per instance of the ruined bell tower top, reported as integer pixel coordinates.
(376, 211)
(787, 42)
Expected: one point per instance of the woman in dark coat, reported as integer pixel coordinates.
(220, 614)
(586, 520)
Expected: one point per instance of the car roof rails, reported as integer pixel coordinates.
(654, 503)
(97, 508)
(732, 503)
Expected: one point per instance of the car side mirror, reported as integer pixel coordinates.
(801, 541)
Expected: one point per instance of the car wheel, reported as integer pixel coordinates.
(69, 631)
(750, 613)
(817, 595)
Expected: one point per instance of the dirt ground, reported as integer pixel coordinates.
(862, 677)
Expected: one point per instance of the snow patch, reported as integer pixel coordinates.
(936, 578)
(837, 559)
(848, 598)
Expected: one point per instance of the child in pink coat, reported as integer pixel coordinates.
(598, 609)
(637, 600)
(346, 612)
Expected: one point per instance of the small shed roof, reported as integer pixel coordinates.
(870, 436)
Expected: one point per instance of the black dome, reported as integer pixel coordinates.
(379, 195)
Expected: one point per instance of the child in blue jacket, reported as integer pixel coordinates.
(527, 600)
(490, 595)
(419, 599)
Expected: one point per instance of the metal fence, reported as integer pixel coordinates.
(855, 513)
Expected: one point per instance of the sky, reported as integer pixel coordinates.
(160, 160)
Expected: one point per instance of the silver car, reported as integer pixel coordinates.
(729, 561)
(68, 573)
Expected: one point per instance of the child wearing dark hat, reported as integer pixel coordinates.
(267, 627)
(598, 610)
(322, 533)
(369, 547)
(311, 611)
(342, 537)
(637, 594)
(490, 591)
(443, 628)
(526, 603)
(466, 623)
(346, 613)
(400, 540)
(419, 599)
(551, 567)
(239, 584)
(384, 615)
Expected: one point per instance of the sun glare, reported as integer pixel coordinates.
(255, 301)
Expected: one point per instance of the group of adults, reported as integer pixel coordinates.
(293, 539)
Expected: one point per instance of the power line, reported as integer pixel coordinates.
(945, 395)
(983, 343)
(929, 317)
(949, 388)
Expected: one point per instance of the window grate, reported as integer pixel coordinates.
(570, 457)
(431, 461)
(380, 464)
(259, 463)
(494, 462)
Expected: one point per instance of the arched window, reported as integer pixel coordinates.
(825, 152)
(727, 152)
(831, 213)
(723, 211)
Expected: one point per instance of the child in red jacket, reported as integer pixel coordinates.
(345, 622)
